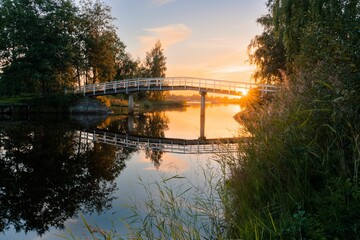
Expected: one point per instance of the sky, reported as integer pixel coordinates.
(201, 38)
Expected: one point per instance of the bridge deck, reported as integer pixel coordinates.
(171, 84)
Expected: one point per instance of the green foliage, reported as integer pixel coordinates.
(299, 34)
(100, 46)
(34, 56)
(127, 68)
(297, 177)
(156, 61)
(48, 46)
(268, 53)
(155, 66)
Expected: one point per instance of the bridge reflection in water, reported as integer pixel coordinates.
(172, 145)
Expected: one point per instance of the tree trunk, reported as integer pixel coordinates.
(78, 75)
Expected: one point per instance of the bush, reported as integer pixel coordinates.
(53, 103)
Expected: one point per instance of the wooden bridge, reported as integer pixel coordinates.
(171, 84)
(172, 145)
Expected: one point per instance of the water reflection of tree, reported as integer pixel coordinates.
(47, 175)
(153, 124)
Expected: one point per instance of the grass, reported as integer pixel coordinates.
(19, 99)
(298, 175)
(56, 103)
(173, 208)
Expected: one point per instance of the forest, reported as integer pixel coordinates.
(52, 45)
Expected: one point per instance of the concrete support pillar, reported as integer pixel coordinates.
(130, 124)
(131, 104)
(202, 116)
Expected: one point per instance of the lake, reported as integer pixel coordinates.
(53, 172)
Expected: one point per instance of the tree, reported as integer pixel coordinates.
(268, 53)
(36, 45)
(126, 67)
(49, 45)
(156, 61)
(101, 45)
(299, 34)
(155, 66)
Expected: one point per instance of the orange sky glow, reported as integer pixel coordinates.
(203, 38)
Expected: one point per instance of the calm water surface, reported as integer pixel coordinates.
(49, 174)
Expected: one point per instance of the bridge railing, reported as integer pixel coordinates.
(178, 146)
(172, 83)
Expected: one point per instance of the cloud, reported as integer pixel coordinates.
(233, 69)
(215, 43)
(168, 35)
(161, 2)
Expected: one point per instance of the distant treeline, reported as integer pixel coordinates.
(47, 46)
(209, 98)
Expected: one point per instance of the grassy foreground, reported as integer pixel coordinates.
(298, 177)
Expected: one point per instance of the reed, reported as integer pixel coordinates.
(178, 209)
(173, 208)
(297, 177)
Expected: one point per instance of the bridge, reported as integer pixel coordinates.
(129, 86)
(204, 86)
(172, 145)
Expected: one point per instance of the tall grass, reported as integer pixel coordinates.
(298, 175)
(173, 207)
(178, 209)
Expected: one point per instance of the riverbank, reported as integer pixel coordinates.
(74, 104)
(49, 104)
